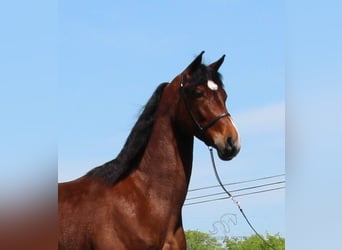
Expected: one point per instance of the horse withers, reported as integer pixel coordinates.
(135, 201)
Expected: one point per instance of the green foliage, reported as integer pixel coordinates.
(255, 243)
(197, 240)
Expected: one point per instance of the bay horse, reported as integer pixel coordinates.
(135, 201)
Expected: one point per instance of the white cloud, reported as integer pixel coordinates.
(261, 119)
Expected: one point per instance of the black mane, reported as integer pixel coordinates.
(135, 145)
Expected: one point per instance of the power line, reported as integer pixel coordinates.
(223, 198)
(236, 190)
(235, 183)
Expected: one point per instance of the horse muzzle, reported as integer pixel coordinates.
(229, 149)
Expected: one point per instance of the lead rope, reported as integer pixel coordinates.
(233, 199)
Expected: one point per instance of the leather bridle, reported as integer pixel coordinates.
(201, 128)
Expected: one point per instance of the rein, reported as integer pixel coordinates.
(233, 199)
(198, 125)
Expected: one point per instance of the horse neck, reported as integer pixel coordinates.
(167, 161)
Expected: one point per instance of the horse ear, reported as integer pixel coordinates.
(216, 65)
(194, 64)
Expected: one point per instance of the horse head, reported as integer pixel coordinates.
(202, 107)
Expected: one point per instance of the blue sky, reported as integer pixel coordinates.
(81, 60)
(313, 108)
(113, 55)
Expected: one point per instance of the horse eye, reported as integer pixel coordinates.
(198, 94)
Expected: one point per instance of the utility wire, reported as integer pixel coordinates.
(236, 190)
(235, 183)
(224, 198)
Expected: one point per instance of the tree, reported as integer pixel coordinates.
(255, 243)
(197, 240)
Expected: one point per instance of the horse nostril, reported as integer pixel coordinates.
(231, 146)
(230, 142)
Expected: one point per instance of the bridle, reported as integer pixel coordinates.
(201, 128)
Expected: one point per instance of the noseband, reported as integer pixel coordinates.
(202, 129)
